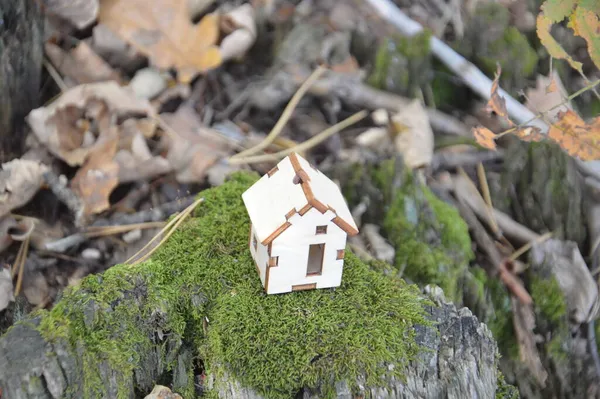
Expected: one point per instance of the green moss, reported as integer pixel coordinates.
(402, 64)
(505, 390)
(514, 54)
(432, 241)
(499, 320)
(201, 287)
(549, 299)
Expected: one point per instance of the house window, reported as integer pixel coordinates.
(340, 254)
(254, 242)
(316, 254)
(274, 261)
(321, 229)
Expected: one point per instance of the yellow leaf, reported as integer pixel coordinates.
(496, 103)
(529, 133)
(485, 137)
(544, 24)
(585, 24)
(557, 10)
(163, 31)
(576, 137)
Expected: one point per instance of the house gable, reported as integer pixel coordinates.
(291, 188)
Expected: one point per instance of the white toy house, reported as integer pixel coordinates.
(299, 226)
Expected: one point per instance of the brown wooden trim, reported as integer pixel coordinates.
(266, 285)
(315, 203)
(273, 261)
(351, 231)
(303, 287)
(340, 254)
(290, 213)
(276, 233)
(318, 205)
(269, 248)
(305, 209)
(272, 171)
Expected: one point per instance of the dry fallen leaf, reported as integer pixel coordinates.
(193, 148)
(80, 13)
(529, 133)
(80, 65)
(576, 137)
(162, 392)
(19, 181)
(97, 178)
(496, 102)
(484, 137)
(414, 137)
(548, 94)
(6, 288)
(61, 126)
(163, 31)
(240, 27)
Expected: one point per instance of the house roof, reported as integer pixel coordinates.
(293, 186)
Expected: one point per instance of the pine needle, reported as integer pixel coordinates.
(20, 263)
(169, 229)
(100, 231)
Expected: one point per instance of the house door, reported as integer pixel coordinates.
(316, 254)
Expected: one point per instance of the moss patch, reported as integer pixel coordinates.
(276, 344)
(431, 239)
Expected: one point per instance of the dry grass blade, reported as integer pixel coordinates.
(20, 263)
(306, 145)
(487, 197)
(169, 229)
(285, 116)
(100, 231)
(528, 246)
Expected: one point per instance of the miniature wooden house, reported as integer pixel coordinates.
(299, 226)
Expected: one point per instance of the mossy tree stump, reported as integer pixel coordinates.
(198, 308)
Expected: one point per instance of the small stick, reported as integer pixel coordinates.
(527, 246)
(21, 257)
(64, 194)
(285, 116)
(487, 197)
(313, 141)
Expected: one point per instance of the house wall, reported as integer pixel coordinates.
(260, 255)
(292, 249)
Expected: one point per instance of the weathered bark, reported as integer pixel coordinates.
(459, 362)
(21, 53)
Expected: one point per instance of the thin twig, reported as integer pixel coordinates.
(528, 246)
(20, 263)
(55, 76)
(285, 116)
(304, 146)
(485, 189)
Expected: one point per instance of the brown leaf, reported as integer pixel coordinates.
(81, 64)
(96, 179)
(497, 103)
(193, 148)
(56, 126)
(163, 31)
(548, 96)
(80, 13)
(576, 137)
(19, 181)
(484, 137)
(529, 133)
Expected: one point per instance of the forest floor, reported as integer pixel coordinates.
(143, 106)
